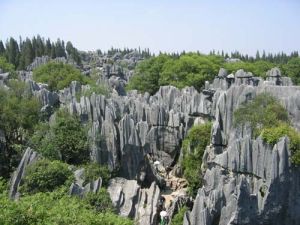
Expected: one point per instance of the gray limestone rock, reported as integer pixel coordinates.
(133, 201)
(28, 158)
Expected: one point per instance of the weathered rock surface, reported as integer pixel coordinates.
(28, 158)
(77, 189)
(247, 181)
(125, 129)
(133, 201)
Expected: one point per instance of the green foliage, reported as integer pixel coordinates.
(178, 218)
(187, 70)
(19, 112)
(100, 201)
(93, 171)
(58, 75)
(193, 149)
(6, 66)
(98, 89)
(263, 111)
(258, 68)
(268, 118)
(292, 69)
(272, 135)
(54, 208)
(3, 185)
(45, 176)
(66, 139)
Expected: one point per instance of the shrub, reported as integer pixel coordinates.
(100, 201)
(263, 111)
(98, 89)
(45, 175)
(193, 149)
(273, 134)
(93, 171)
(66, 139)
(178, 218)
(58, 75)
(19, 112)
(268, 118)
(52, 208)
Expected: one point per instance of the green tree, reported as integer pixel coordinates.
(45, 175)
(19, 112)
(12, 52)
(263, 111)
(292, 69)
(193, 149)
(58, 75)
(100, 201)
(66, 139)
(2, 49)
(93, 171)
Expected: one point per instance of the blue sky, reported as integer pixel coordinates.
(161, 25)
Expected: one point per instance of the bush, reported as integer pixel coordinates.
(66, 139)
(52, 208)
(178, 218)
(273, 134)
(100, 201)
(93, 171)
(7, 67)
(58, 75)
(45, 175)
(19, 112)
(268, 118)
(193, 149)
(261, 112)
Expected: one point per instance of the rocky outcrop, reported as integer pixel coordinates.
(133, 201)
(77, 189)
(125, 129)
(247, 181)
(28, 158)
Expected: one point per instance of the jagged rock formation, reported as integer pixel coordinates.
(77, 189)
(125, 129)
(28, 158)
(133, 201)
(247, 181)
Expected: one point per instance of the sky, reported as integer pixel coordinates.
(160, 25)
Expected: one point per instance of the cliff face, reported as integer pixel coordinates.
(247, 181)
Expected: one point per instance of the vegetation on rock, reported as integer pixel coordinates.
(193, 149)
(268, 118)
(19, 113)
(93, 171)
(46, 176)
(178, 218)
(58, 75)
(66, 139)
(100, 201)
(54, 208)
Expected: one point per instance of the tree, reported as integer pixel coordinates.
(12, 52)
(19, 112)
(66, 139)
(45, 176)
(48, 47)
(193, 149)
(58, 75)
(2, 49)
